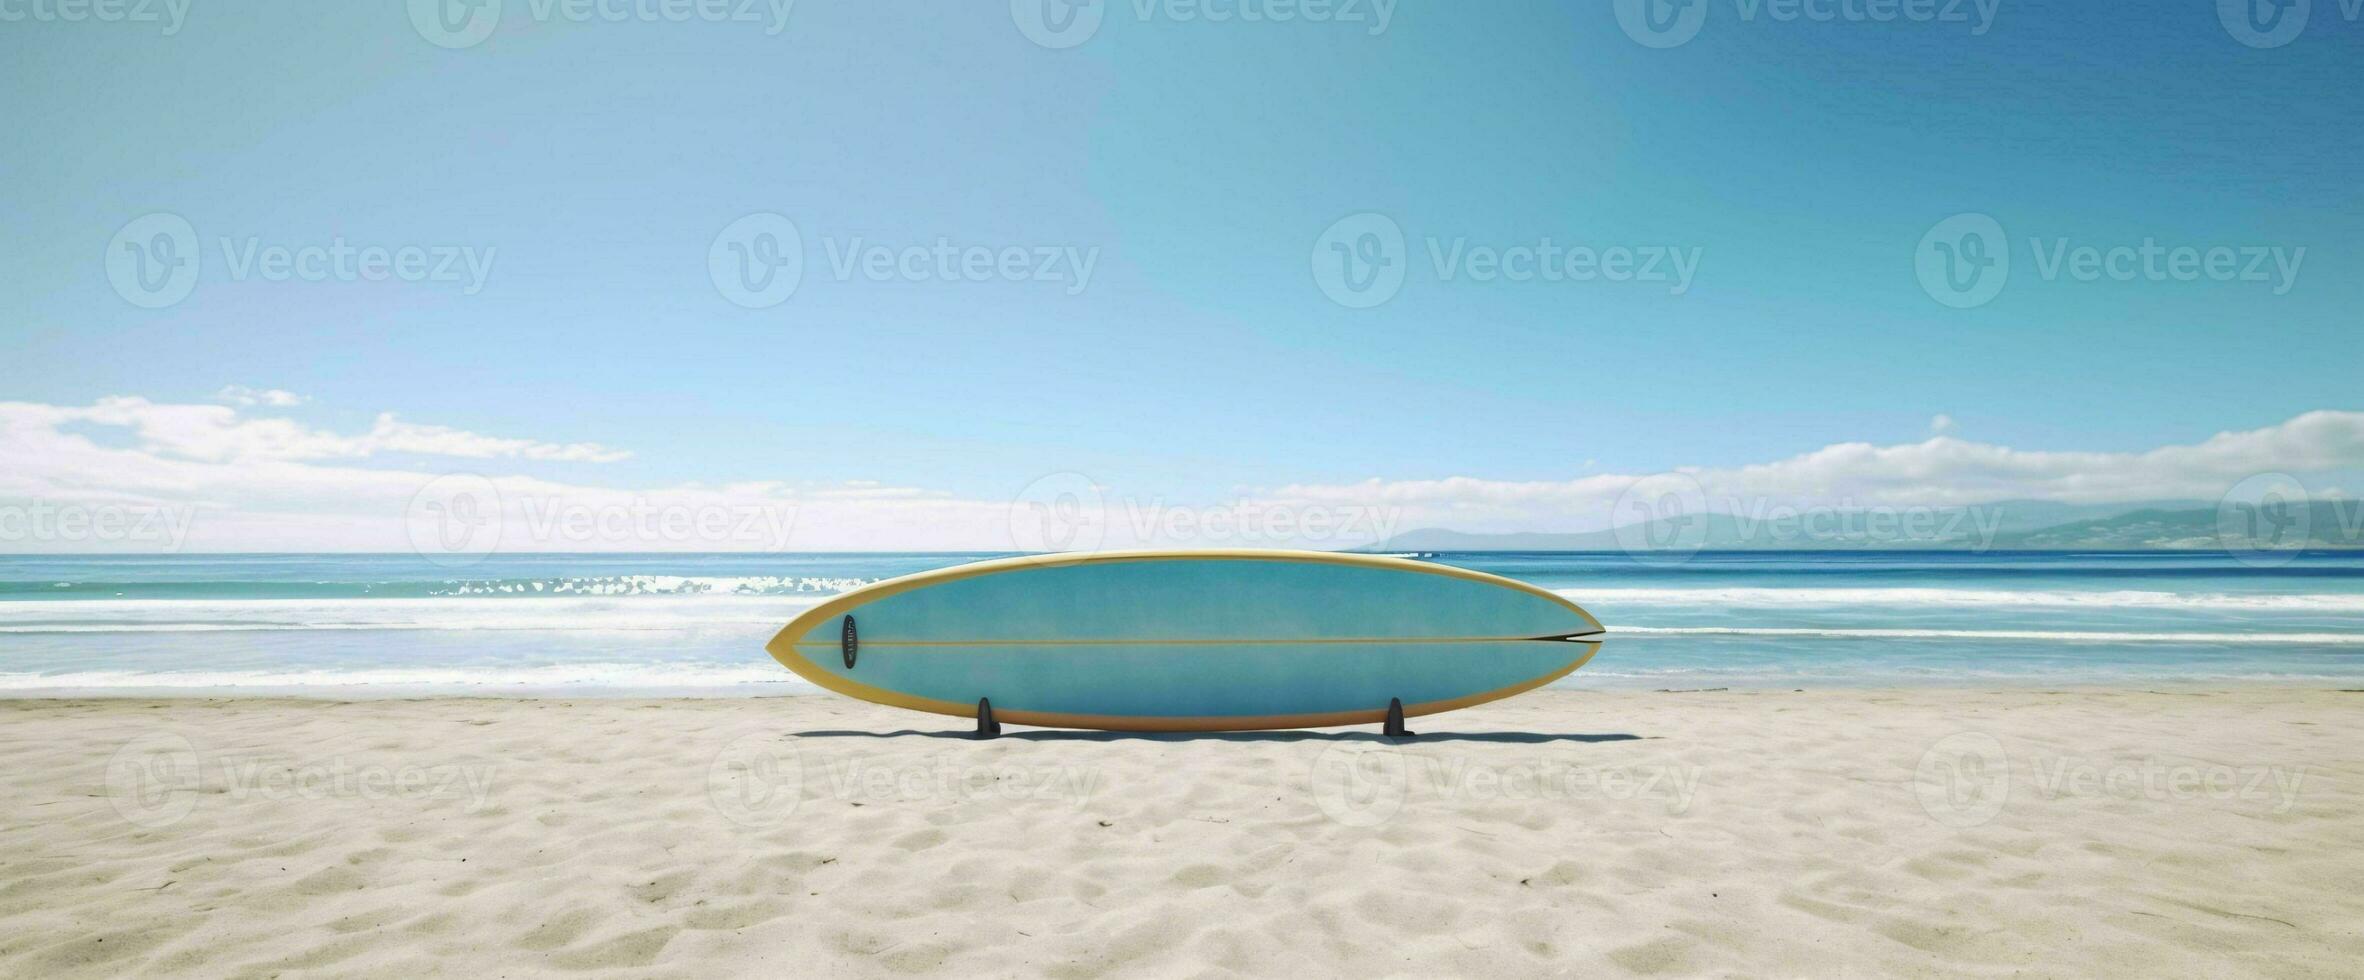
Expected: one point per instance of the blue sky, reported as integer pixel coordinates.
(591, 165)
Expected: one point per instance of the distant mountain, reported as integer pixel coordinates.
(1440, 539)
(2018, 525)
(2325, 524)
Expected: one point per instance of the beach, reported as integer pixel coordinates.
(1818, 489)
(2018, 830)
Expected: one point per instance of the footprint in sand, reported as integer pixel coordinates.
(920, 840)
(559, 930)
(631, 950)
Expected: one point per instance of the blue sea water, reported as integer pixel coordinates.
(361, 625)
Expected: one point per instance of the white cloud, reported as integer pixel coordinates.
(240, 483)
(222, 481)
(245, 397)
(435, 440)
(220, 433)
(1939, 471)
(1941, 424)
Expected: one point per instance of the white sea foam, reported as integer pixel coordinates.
(480, 613)
(619, 679)
(757, 677)
(1982, 598)
(692, 608)
(637, 585)
(2040, 636)
(1858, 675)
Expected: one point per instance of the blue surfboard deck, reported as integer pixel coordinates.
(1189, 641)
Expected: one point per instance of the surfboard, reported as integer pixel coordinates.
(1189, 641)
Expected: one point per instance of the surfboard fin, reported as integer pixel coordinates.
(986, 726)
(1394, 726)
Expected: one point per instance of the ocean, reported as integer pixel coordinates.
(375, 625)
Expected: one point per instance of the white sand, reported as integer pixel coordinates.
(1818, 834)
